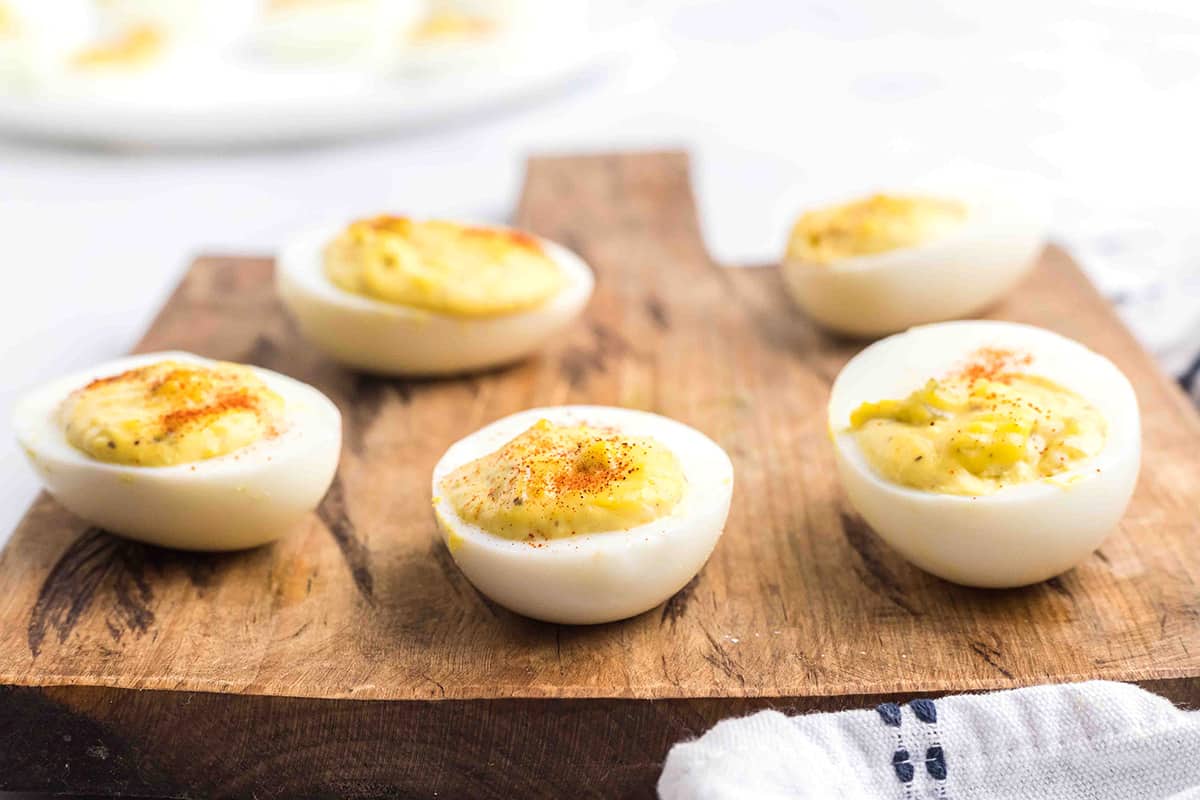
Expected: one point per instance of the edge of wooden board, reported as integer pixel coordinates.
(210, 744)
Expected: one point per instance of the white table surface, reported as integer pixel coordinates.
(782, 103)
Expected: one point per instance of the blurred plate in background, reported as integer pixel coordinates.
(251, 102)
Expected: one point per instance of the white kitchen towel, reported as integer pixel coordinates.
(1083, 741)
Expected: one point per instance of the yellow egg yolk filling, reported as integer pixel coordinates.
(974, 436)
(8, 22)
(872, 225)
(135, 47)
(277, 7)
(171, 413)
(452, 24)
(555, 481)
(442, 266)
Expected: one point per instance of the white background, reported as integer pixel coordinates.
(782, 103)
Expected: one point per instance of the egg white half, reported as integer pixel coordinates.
(242, 499)
(596, 577)
(387, 338)
(1022, 533)
(951, 277)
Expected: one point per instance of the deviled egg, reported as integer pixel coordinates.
(209, 23)
(457, 34)
(991, 454)
(582, 514)
(364, 31)
(126, 50)
(181, 451)
(131, 63)
(399, 296)
(37, 37)
(884, 263)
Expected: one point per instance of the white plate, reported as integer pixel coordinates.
(244, 103)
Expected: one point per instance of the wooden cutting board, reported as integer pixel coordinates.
(352, 659)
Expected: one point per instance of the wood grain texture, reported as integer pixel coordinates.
(801, 604)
